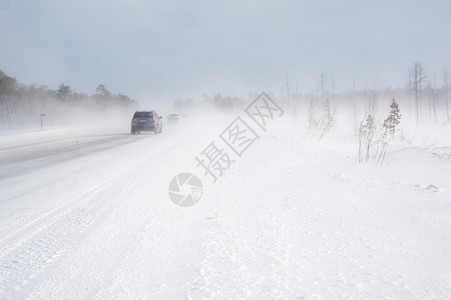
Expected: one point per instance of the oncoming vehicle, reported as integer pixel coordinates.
(146, 121)
(174, 118)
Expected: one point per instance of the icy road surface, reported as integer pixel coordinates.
(87, 215)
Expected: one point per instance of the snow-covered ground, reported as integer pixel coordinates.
(86, 214)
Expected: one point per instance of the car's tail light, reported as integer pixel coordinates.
(152, 120)
(134, 121)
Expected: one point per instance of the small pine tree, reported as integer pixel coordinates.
(389, 130)
(393, 119)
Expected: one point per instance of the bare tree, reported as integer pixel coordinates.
(333, 88)
(372, 102)
(409, 87)
(446, 89)
(418, 76)
(323, 87)
(434, 96)
(355, 123)
(291, 102)
(312, 121)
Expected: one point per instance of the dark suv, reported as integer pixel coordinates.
(146, 121)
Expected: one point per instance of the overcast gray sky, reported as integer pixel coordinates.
(165, 50)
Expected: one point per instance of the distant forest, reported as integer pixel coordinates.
(425, 99)
(21, 106)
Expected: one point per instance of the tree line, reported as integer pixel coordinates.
(424, 98)
(21, 106)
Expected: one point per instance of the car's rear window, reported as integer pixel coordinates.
(143, 115)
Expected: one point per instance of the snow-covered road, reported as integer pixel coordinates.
(55, 190)
(87, 215)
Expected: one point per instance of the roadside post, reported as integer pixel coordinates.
(42, 116)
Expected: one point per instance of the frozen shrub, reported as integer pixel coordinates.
(368, 131)
(328, 119)
(312, 122)
(389, 130)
